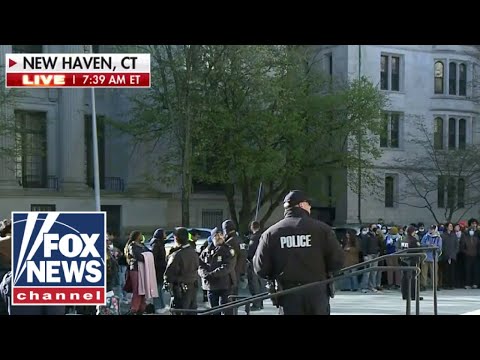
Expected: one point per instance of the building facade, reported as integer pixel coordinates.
(53, 167)
(433, 85)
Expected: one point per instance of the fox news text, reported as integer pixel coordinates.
(59, 258)
(77, 70)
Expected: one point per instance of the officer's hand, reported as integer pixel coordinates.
(365, 258)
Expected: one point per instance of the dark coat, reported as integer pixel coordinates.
(215, 266)
(298, 249)
(160, 259)
(182, 266)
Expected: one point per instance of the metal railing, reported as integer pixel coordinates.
(419, 253)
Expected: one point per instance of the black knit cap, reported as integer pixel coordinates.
(295, 197)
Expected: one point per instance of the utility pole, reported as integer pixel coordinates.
(359, 139)
(96, 167)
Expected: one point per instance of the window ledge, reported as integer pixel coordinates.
(451, 97)
(393, 92)
(392, 149)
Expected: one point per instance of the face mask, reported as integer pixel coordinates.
(421, 229)
(364, 232)
(384, 231)
(471, 232)
(110, 247)
(459, 233)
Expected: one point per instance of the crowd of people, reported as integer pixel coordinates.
(458, 255)
(219, 269)
(140, 271)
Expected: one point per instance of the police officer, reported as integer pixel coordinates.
(296, 251)
(256, 285)
(216, 264)
(181, 272)
(239, 250)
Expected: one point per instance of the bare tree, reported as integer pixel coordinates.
(443, 181)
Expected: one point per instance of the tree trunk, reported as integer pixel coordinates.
(245, 211)
(229, 190)
(186, 175)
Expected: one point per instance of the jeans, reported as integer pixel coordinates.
(121, 282)
(350, 283)
(159, 302)
(369, 279)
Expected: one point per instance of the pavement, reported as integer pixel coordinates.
(387, 302)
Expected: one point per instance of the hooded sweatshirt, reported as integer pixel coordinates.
(432, 240)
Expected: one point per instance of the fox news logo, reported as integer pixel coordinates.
(58, 258)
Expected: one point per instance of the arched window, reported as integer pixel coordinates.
(452, 78)
(389, 191)
(462, 133)
(462, 83)
(439, 74)
(438, 133)
(461, 193)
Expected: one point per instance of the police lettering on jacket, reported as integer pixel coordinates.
(295, 241)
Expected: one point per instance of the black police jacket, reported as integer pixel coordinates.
(253, 245)
(298, 249)
(182, 266)
(215, 267)
(240, 249)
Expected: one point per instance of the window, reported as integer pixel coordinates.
(211, 218)
(395, 73)
(43, 207)
(452, 136)
(329, 64)
(462, 133)
(27, 49)
(462, 81)
(441, 192)
(390, 69)
(461, 193)
(390, 136)
(452, 78)
(456, 73)
(389, 191)
(455, 130)
(384, 72)
(31, 146)
(89, 150)
(438, 133)
(439, 74)
(453, 190)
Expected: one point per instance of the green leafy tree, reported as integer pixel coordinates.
(273, 118)
(259, 114)
(168, 111)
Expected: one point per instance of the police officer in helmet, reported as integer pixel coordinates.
(299, 250)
